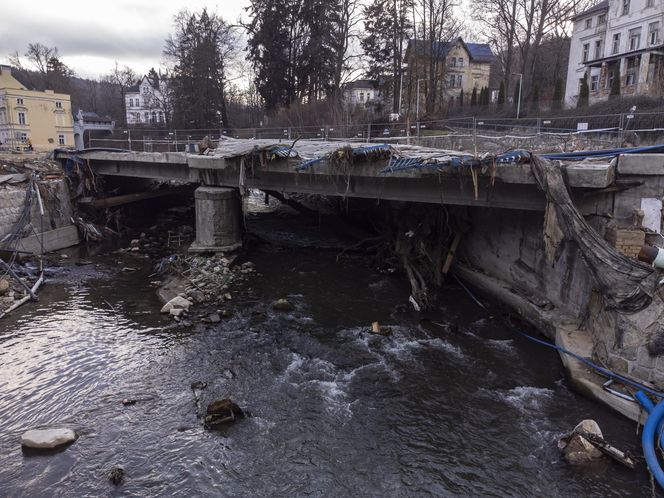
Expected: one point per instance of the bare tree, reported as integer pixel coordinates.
(123, 77)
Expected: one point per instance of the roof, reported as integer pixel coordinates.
(603, 5)
(478, 52)
(361, 84)
(137, 87)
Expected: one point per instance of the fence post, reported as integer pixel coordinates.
(176, 140)
(621, 128)
(539, 126)
(290, 133)
(369, 133)
(475, 134)
(129, 138)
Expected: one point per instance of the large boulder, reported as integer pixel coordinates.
(47, 438)
(577, 448)
(178, 302)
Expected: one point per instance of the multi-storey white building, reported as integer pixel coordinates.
(146, 102)
(617, 39)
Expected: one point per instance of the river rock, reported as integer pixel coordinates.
(4, 286)
(47, 438)
(116, 476)
(178, 302)
(214, 318)
(282, 305)
(222, 412)
(576, 449)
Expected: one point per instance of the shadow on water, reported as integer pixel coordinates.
(450, 404)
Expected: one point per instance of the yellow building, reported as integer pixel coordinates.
(458, 66)
(43, 119)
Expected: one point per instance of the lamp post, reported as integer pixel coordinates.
(518, 107)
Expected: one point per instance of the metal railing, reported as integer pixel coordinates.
(558, 133)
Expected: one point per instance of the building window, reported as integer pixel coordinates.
(653, 33)
(650, 3)
(634, 38)
(601, 19)
(138, 102)
(19, 101)
(23, 137)
(61, 139)
(21, 118)
(147, 117)
(589, 23)
(131, 102)
(460, 81)
(615, 48)
(598, 49)
(594, 83)
(361, 96)
(453, 62)
(626, 7)
(452, 80)
(586, 49)
(58, 105)
(630, 79)
(460, 61)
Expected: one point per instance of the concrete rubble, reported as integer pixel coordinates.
(47, 438)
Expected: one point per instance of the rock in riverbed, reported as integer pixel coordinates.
(222, 412)
(177, 302)
(47, 438)
(116, 476)
(282, 305)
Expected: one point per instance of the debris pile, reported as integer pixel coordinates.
(206, 280)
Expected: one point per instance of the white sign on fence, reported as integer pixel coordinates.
(581, 126)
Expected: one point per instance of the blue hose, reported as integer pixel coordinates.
(650, 431)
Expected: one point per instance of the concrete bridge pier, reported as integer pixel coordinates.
(218, 212)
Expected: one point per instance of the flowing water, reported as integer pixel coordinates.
(454, 404)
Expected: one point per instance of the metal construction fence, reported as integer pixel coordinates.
(563, 132)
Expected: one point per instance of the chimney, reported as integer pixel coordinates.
(5, 69)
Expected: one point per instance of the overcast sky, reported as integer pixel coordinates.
(91, 35)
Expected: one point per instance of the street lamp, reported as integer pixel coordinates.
(518, 107)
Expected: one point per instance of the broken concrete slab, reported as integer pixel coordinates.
(47, 438)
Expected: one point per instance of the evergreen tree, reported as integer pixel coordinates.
(291, 49)
(473, 97)
(501, 96)
(584, 92)
(615, 84)
(461, 98)
(486, 99)
(200, 49)
(557, 95)
(387, 26)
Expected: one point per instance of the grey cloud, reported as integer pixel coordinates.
(75, 39)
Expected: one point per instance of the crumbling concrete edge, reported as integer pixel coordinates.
(566, 332)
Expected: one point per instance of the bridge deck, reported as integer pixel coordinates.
(353, 170)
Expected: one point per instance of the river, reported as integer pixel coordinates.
(449, 404)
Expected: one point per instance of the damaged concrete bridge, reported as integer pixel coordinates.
(528, 245)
